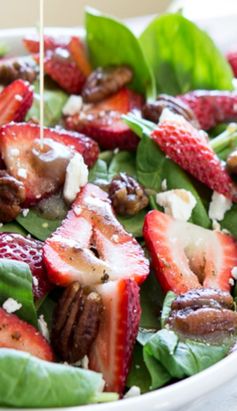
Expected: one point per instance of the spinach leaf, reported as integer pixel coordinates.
(110, 42)
(151, 302)
(4, 49)
(158, 373)
(54, 101)
(16, 283)
(37, 225)
(134, 224)
(13, 227)
(153, 167)
(29, 382)
(138, 374)
(169, 298)
(99, 173)
(183, 57)
(123, 161)
(230, 221)
(46, 309)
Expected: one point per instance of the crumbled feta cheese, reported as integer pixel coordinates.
(45, 225)
(35, 281)
(85, 362)
(76, 177)
(216, 226)
(231, 281)
(218, 206)
(14, 152)
(234, 273)
(115, 238)
(164, 185)
(116, 150)
(178, 203)
(25, 212)
(11, 305)
(1, 225)
(22, 173)
(43, 327)
(73, 105)
(133, 392)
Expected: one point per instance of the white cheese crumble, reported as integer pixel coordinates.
(178, 203)
(218, 206)
(76, 177)
(231, 282)
(234, 273)
(11, 305)
(25, 212)
(22, 173)
(216, 226)
(14, 152)
(73, 105)
(133, 392)
(35, 281)
(164, 185)
(43, 327)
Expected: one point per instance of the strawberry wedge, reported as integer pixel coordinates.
(189, 148)
(18, 143)
(19, 335)
(102, 121)
(15, 101)
(112, 350)
(91, 246)
(186, 256)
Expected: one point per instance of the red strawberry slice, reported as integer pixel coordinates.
(15, 101)
(186, 256)
(188, 147)
(16, 247)
(112, 350)
(78, 53)
(212, 107)
(62, 68)
(17, 142)
(19, 335)
(91, 246)
(102, 121)
(232, 59)
(32, 43)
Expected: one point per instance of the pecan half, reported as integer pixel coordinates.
(232, 162)
(12, 194)
(76, 322)
(203, 313)
(22, 68)
(105, 81)
(127, 195)
(152, 111)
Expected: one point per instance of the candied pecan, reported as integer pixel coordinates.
(12, 194)
(105, 81)
(22, 68)
(127, 195)
(232, 162)
(76, 322)
(203, 312)
(152, 110)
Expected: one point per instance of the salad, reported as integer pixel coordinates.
(118, 252)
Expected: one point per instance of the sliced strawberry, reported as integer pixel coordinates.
(62, 68)
(15, 101)
(78, 53)
(16, 247)
(232, 59)
(32, 44)
(186, 256)
(189, 148)
(19, 335)
(212, 107)
(102, 121)
(91, 246)
(112, 350)
(16, 144)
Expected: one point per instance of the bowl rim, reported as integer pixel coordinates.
(179, 393)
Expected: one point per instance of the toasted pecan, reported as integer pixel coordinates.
(12, 194)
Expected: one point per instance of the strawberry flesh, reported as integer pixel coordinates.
(188, 147)
(212, 107)
(32, 44)
(16, 247)
(19, 335)
(186, 256)
(91, 246)
(112, 350)
(16, 144)
(102, 121)
(15, 101)
(232, 59)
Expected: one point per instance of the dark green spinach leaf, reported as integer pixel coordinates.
(37, 225)
(13, 227)
(183, 57)
(134, 224)
(123, 162)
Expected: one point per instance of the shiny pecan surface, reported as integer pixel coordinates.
(105, 81)
(127, 195)
(12, 195)
(76, 322)
(11, 70)
(152, 110)
(203, 313)
(232, 162)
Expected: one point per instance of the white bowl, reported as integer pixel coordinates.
(185, 392)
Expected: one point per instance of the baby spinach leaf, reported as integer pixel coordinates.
(158, 373)
(153, 167)
(184, 57)
(29, 382)
(13, 227)
(37, 225)
(123, 162)
(16, 283)
(99, 173)
(138, 374)
(230, 220)
(110, 42)
(169, 298)
(54, 101)
(151, 302)
(134, 224)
